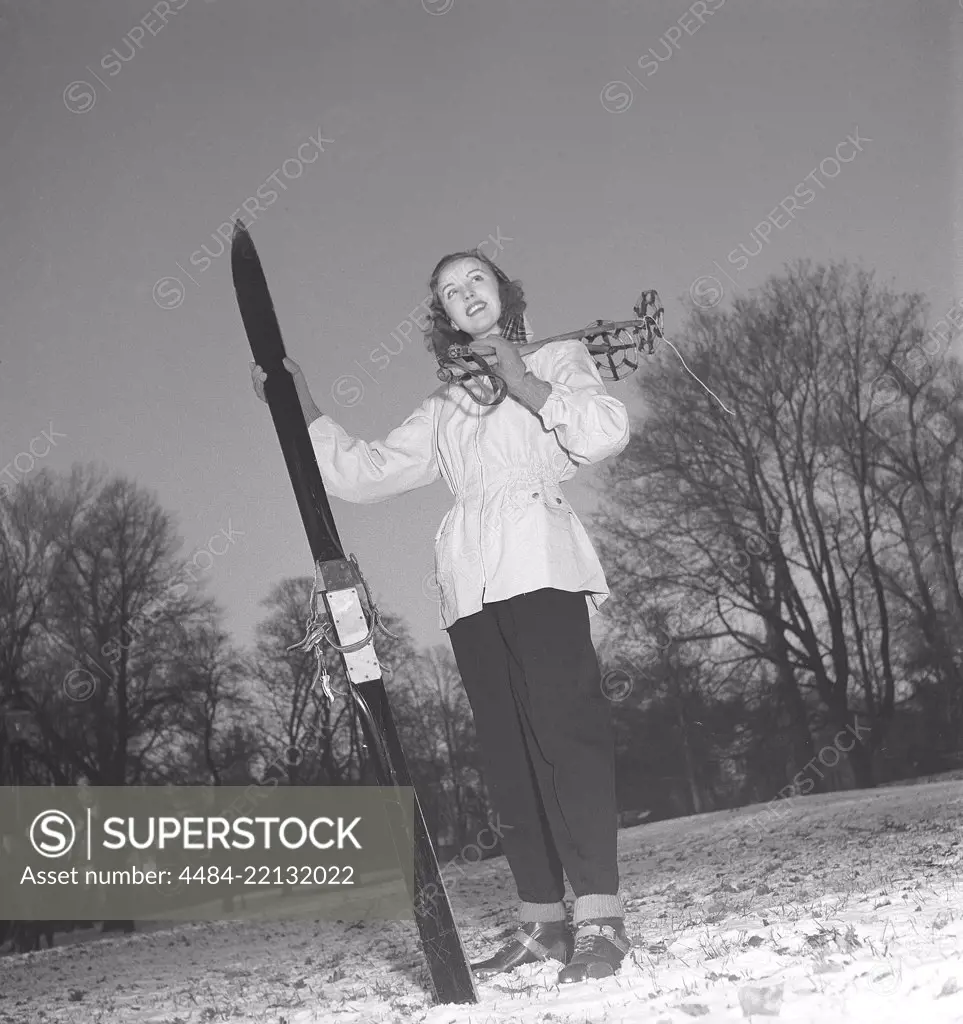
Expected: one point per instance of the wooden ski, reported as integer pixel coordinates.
(340, 583)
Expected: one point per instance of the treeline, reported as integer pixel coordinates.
(787, 615)
(115, 668)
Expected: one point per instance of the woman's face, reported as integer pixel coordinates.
(469, 294)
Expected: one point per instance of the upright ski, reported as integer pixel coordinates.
(339, 583)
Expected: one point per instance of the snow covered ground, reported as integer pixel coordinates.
(845, 907)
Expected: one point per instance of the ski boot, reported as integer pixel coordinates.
(533, 941)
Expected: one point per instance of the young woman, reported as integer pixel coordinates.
(519, 580)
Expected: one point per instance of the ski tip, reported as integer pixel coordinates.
(241, 237)
(241, 242)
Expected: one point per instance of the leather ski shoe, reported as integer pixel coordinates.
(534, 941)
(600, 948)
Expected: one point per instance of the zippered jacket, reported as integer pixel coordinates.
(511, 530)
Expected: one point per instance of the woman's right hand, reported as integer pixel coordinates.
(258, 377)
(308, 407)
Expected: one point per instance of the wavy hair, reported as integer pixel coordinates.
(440, 332)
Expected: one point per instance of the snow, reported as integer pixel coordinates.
(843, 907)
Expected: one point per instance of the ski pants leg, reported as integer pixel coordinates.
(545, 731)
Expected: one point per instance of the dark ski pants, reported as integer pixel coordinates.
(545, 731)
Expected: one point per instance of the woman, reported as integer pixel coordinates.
(518, 580)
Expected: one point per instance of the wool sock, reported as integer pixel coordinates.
(541, 912)
(596, 905)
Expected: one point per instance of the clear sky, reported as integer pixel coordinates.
(442, 123)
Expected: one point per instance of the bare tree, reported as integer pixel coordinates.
(434, 712)
(32, 519)
(120, 606)
(209, 672)
(757, 523)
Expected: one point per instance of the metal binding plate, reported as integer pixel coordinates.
(350, 626)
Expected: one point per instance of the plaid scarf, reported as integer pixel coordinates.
(518, 330)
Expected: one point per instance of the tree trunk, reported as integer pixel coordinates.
(690, 772)
(794, 717)
(861, 761)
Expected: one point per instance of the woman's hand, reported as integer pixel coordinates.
(507, 363)
(258, 377)
(308, 407)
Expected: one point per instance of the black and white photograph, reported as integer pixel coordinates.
(481, 511)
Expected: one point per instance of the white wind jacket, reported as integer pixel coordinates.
(511, 529)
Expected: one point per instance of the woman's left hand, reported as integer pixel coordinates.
(507, 362)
